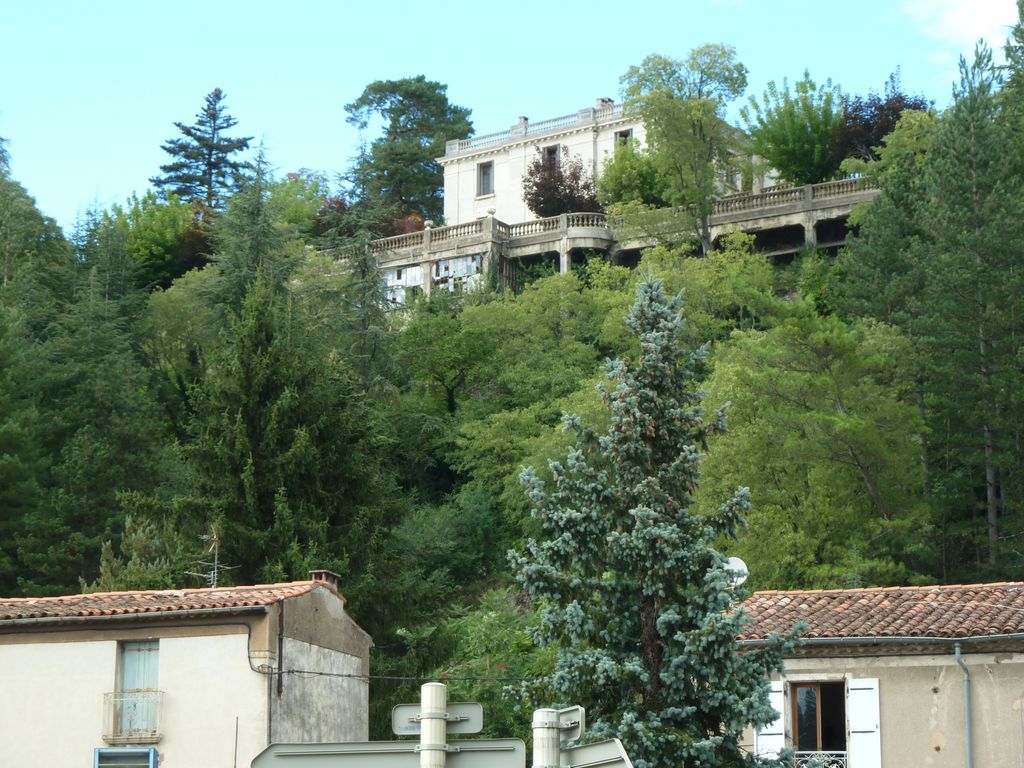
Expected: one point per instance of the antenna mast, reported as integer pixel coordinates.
(214, 567)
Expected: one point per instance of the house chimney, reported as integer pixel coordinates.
(604, 102)
(328, 578)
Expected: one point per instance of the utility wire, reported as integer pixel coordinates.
(400, 678)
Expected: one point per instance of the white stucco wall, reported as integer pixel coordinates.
(208, 687)
(921, 710)
(51, 710)
(51, 705)
(593, 143)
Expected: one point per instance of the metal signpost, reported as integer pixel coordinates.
(433, 720)
(606, 754)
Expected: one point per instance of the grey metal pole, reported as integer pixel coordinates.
(969, 725)
(546, 738)
(433, 725)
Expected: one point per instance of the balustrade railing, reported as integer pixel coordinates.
(660, 220)
(784, 195)
(584, 117)
(485, 141)
(820, 760)
(607, 113)
(536, 227)
(586, 220)
(553, 124)
(132, 717)
(397, 243)
(841, 187)
(454, 232)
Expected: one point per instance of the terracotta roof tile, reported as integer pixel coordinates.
(956, 611)
(152, 602)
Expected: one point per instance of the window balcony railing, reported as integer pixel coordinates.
(132, 717)
(820, 760)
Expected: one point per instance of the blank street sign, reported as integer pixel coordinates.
(463, 717)
(474, 753)
(600, 754)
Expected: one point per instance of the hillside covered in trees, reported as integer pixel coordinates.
(219, 356)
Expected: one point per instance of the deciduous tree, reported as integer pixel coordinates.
(795, 130)
(682, 104)
(556, 185)
(824, 428)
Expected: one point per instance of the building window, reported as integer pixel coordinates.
(819, 717)
(132, 711)
(623, 137)
(832, 723)
(126, 757)
(485, 179)
(551, 155)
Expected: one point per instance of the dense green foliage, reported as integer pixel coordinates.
(682, 103)
(809, 134)
(164, 372)
(793, 130)
(631, 590)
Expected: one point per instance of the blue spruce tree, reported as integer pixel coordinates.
(630, 586)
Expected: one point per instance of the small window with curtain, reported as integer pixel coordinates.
(133, 709)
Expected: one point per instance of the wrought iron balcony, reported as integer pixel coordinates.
(821, 760)
(132, 717)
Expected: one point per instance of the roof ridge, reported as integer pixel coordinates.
(909, 588)
(165, 591)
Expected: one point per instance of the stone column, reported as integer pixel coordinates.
(810, 233)
(492, 245)
(428, 265)
(428, 276)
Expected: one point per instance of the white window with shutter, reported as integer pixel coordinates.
(865, 743)
(771, 739)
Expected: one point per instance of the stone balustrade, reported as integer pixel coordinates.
(775, 207)
(526, 128)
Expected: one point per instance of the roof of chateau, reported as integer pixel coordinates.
(954, 611)
(161, 601)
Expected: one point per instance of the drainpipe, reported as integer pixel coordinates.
(280, 646)
(967, 706)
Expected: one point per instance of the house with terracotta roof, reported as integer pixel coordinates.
(896, 677)
(180, 678)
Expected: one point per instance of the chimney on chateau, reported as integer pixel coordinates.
(604, 102)
(328, 578)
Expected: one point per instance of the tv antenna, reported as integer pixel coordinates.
(214, 567)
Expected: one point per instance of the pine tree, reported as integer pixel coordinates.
(631, 589)
(969, 313)
(203, 168)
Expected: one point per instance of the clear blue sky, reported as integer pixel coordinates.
(89, 90)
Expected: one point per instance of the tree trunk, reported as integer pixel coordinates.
(652, 648)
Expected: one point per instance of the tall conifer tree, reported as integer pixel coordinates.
(204, 167)
(631, 590)
(970, 309)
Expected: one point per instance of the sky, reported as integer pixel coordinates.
(89, 90)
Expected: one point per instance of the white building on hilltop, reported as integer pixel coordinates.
(483, 175)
